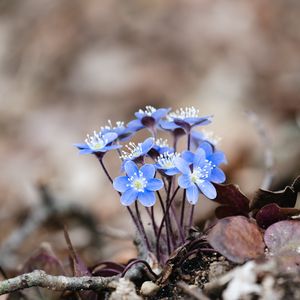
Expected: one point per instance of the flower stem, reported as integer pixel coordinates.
(191, 215)
(182, 209)
(162, 223)
(142, 226)
(135, 220)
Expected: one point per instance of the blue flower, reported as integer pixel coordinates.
(120, 129)
(199, 170)
(137, 151)
(198, 137)
(185, 119)
(138, 184)
(166, 163)
(98, 143)
(161, 146)
(149, 118)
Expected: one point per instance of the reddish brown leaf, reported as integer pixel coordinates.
(284, 198)
(237, 239)
(272, 213)
(283, 236)
(233, 201)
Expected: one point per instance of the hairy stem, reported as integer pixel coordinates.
(57, 283)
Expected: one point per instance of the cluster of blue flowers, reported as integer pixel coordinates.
(152, 165)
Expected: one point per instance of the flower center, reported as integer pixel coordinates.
(138, 182)
(166, 160)
(134, 151)
(182, 113)
(96, 141)
(199, 174)
(149, 110)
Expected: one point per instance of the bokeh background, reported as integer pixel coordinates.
(68, 66)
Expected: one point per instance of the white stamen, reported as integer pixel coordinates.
(182, 113)
(96, 141)
(166, 160)
(211, 137)
(199, 174)
(149, 110)
(110, 126)
(134, 151)
(138, 182)
(161, 143)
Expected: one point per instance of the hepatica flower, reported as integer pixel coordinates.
(198, 137)
(185, 118)
(137, 151)
(149, 118)
(98, 143)
(120, 129)
(166, 163)
(161, 146)
(199, 170)
(138, 184)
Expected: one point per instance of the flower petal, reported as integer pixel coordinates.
(199, 157)
(154, 184)
(217, 175)
(135, 125)
(192, 194)
(131, 168)
(208, 189)
(148, 171)
(121, 183)
(188, 156)
(218, 158)
(81, 146)
(147, 198)
(147, 145)
(109, 137)
(128, 197)
(184, 181)
(168, 125)
(171, 172)
(182, 165)
(207, 148)
(160, 113)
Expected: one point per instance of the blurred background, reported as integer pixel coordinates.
(66, 67)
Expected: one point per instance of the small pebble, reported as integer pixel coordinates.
(149, 288)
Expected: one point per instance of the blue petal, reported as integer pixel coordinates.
(81, 146)
(188, 156)
(217, 158)
(160, 113)
(112, 147)
(146, 198)
(121, 183)
(208, 189)
(217, 175)
(171, 171)
(199, 158)
(128, 197)
(154, 184)
(147, 145)
(148, 171)
(207, 147)
(192, 194)
(139, 115)
(135, 125)
(131, 168)
(86, 151)
(184, 181)
(182, 165)
(110, 137)
(198, 136)
(168, 125)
